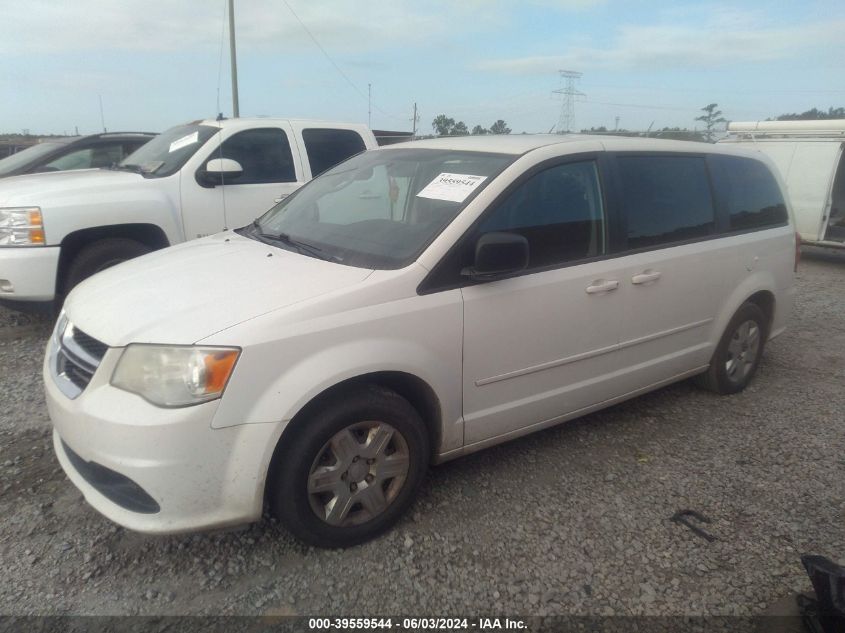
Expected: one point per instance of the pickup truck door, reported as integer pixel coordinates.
(272, 170)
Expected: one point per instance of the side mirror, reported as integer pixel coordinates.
(498, 254)
(218, 171)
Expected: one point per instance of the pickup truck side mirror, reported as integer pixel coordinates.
(218, 171)
(498, 254)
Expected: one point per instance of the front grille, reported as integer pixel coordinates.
(74, 359)
(91, 345)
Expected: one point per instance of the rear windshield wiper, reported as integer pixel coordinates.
(303, 247)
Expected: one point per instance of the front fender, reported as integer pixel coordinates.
(421, 336)
(147, 202)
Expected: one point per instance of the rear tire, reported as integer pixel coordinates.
(98, 256)
(352, 470)
(738, 353)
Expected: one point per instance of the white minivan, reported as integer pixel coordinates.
(320, 358)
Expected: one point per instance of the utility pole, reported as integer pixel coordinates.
(102, 118)
(415, 120)
(568, 94)
(370, 106)
(616, 128)
(234, 58)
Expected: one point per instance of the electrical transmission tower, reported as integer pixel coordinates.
(568, 94)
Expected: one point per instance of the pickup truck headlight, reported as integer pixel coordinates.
(21, 226)
(170, 376)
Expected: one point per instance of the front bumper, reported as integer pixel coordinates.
(196, 476)
(28, 273)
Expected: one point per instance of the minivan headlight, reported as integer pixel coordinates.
(21, 226)
(170, 376)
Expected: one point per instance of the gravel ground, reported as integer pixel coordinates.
(572, 520)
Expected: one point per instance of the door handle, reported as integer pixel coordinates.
(280, 198)
(645, 277)
(601, 285)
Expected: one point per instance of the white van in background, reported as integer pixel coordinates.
(809, 157)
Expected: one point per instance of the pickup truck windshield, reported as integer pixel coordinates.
(167, 152)
(378, 209)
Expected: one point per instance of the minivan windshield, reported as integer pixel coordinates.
(166, 153)
(378, 209)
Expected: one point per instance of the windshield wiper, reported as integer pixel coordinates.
(137, 169)
(303, 247)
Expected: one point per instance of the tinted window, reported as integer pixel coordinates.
(264, 154)
(327, 148)
(100, 155)
(559, 211)
(26, 157)
(665, 199)
(751, 193)
(77, 159)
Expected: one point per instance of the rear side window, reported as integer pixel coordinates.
(558, 210)
(665, 199)
(264, 155)
(326, 148)
(751, 193)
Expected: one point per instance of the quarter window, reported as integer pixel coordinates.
(752, 195)
(559, 211)
(326, 148)
(263, 153)
(665, 199)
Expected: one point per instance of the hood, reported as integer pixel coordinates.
(188, 292)
(33, 189)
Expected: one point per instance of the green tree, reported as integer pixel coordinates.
(500, 127)
(443, 125)
(814, 114)
(446, 126)
(711, 118)
(477, 130)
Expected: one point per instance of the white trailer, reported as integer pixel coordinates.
(809, 155)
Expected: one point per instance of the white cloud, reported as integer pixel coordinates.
(726, 38)
(49, 26)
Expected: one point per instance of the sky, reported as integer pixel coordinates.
(649, 63)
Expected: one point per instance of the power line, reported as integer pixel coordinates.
(332, 62)
(643, 105)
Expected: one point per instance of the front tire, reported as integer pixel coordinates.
(351, 470)
(99, 255)
(738, 353)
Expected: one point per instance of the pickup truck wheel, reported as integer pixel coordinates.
(100, 255)
(352, 470)
(738, 354)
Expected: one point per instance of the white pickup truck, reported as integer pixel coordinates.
(193, 180)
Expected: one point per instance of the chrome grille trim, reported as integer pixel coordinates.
(74, 358)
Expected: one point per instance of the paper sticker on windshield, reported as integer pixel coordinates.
(179, 143)
(452, 187)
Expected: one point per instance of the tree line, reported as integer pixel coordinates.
(447, 126)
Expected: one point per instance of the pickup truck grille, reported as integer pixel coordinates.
(74, 358)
